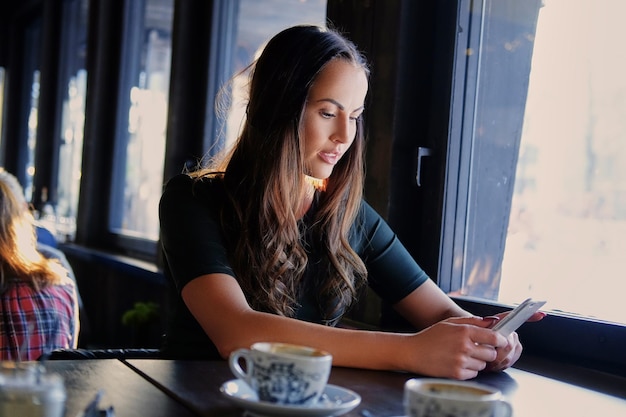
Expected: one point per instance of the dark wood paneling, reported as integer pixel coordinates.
(188, 85)
(109, 286)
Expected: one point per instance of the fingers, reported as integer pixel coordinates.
(484, 353)
(479, 333)
(537, 316)
(460, 348)
(492, 351)
(485, 336)
(473, 361)
(476, 321)
(484, 322)
(506, 356)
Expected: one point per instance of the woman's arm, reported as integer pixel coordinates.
(427, 305)
(454, 348)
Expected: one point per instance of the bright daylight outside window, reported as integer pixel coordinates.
(70, 157)
(62, 218)
(33, 120)
(258, 22)
(567, 229)
(147, 97)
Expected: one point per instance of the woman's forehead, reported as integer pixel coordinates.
(342, 82)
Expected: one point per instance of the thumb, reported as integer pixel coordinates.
(485, 322)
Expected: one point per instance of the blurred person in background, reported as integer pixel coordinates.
(47, 243)
(44, 235)
(38, 299)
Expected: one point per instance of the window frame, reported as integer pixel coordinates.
(132, 35)
(67, 60)
(560, 337)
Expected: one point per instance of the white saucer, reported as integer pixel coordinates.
(336, 401)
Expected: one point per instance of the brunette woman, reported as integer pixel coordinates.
(273, 242)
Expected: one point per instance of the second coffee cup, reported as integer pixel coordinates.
(432, 397)
(283, 373)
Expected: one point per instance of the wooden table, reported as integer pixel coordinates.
(153, 387)
(196, 384)
(129, 393)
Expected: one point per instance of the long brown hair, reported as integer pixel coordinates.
(264, 176)
(19, 258)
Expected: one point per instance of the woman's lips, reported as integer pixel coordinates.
(330, 157)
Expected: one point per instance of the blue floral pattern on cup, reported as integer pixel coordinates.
(283, 383)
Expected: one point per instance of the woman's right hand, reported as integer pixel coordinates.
(456, 348)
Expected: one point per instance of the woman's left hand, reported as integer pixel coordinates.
(509, 354)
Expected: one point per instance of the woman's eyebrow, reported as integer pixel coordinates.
(338, 104)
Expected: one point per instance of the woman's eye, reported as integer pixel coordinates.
(355, 118)
(327, 115)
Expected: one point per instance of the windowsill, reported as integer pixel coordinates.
(137, 267)
(598, 381)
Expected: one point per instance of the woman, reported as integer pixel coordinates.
(38, 301)
(274, 242)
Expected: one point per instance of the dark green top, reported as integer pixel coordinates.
(193, 246)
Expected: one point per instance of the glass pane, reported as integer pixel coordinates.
(141, 145)
(31, 141)
(62, 219)
(567, 231)
(258, 21)
(562, 222)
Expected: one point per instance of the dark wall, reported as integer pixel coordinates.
(110, 287)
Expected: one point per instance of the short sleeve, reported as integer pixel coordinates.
(191, 237)
(392, 272)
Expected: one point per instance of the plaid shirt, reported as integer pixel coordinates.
(37, 322)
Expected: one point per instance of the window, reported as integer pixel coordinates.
(30, 105)
(544, 156)
(143, 98)
(567, 229)
(257, 22)
(142, 119)
(73, 78)
(31, 135)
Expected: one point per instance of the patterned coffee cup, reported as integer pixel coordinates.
(282, 373)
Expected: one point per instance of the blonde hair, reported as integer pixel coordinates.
(19, 258)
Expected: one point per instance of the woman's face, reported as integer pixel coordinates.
(334, 104)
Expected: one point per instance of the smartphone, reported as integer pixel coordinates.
(517, 317)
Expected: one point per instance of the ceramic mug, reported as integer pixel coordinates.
(432, 397)
(27, 390)
(282, 373)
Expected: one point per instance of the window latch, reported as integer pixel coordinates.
(421, 153)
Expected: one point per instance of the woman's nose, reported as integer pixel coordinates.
(342, 132)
